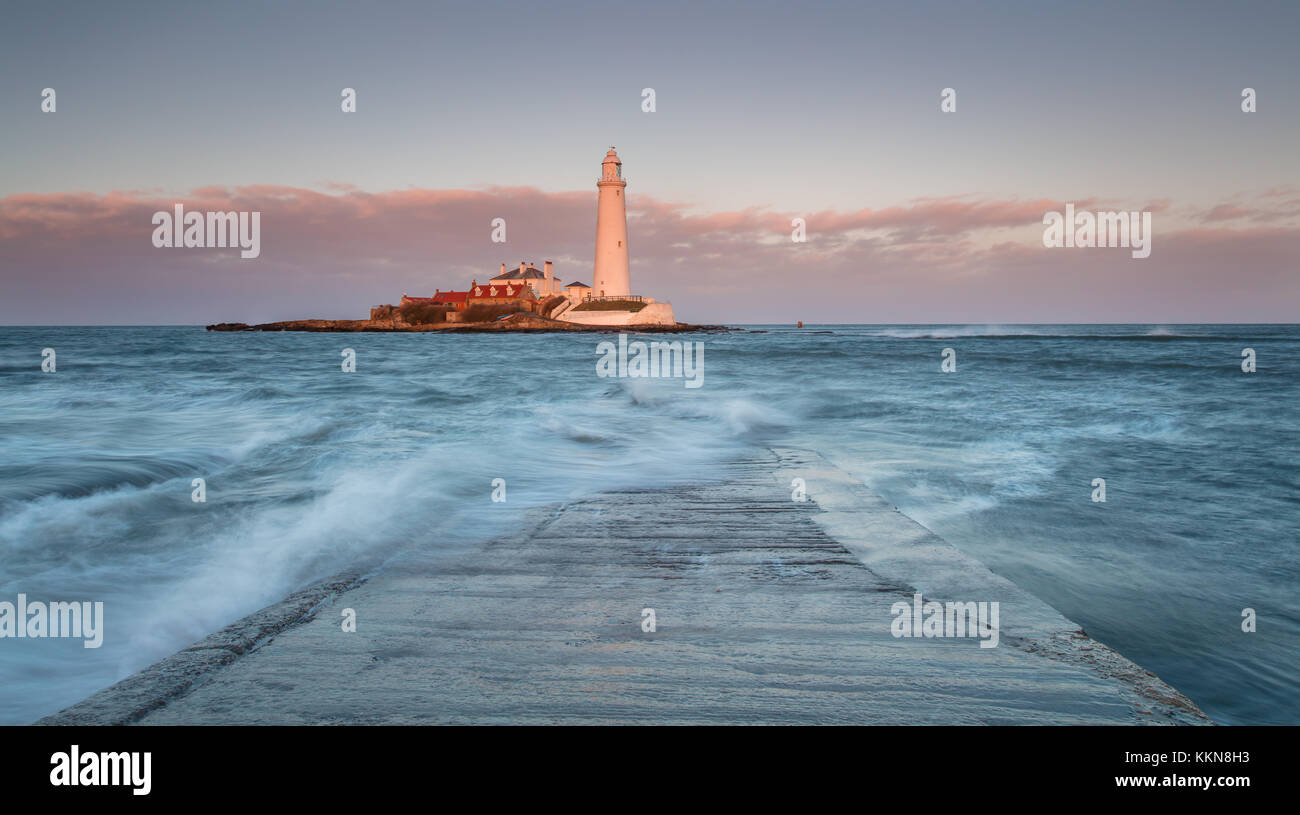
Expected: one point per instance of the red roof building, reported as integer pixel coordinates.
(495, 293)
(458, 299)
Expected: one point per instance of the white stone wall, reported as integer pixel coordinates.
(653, 314)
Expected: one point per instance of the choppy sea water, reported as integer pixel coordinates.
(309, 470)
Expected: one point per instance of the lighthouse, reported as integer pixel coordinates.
(611, 278)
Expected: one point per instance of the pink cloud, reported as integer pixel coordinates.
(81, 257)
(1227, 212)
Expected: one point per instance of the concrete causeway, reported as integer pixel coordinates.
(767, 610)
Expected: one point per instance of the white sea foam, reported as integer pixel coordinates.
(309, 470)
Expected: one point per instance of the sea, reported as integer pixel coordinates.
(308, 469)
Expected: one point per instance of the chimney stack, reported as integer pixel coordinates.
(503, 268)
(522, 267)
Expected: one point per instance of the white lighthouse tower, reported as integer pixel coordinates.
(611, 277)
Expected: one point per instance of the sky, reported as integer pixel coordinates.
(764, 112)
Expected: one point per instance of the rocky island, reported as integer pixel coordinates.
(519, 321)
(528, 298)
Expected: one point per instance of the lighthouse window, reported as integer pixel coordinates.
(620, 243)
